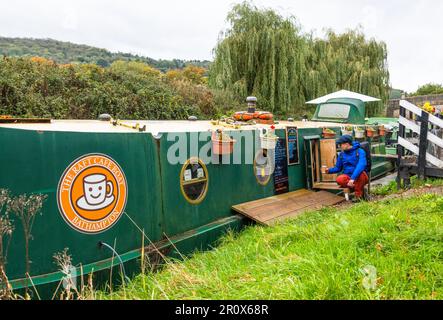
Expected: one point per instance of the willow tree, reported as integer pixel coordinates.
(348, 61)
(264, 54)
(260, 54)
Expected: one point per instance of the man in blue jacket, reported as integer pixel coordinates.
(352, 163)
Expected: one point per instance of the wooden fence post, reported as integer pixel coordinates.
(423, 146)
(400, 148)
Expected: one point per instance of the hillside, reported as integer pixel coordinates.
(67, 52)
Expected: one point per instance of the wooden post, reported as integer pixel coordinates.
(400, 149)
(439, 149)
(347, 193)
(423, 145)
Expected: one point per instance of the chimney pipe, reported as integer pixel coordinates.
(252, 102)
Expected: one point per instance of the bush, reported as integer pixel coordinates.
(37, 87)
(427, 89)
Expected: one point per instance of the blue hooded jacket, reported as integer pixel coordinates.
(350, 163)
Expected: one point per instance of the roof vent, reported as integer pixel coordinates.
(192, 118)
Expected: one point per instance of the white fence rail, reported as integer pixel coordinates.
(420, 127)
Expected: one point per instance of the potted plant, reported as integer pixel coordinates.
(328, 133)
(359, 132)
(269, 139)
(222, 143)
(348, 130)
(428, 108)
(370, 132)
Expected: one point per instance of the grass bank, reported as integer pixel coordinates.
(389, 249)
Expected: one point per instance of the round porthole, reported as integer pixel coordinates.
(262, 167)
(194, 180)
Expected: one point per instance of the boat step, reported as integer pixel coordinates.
(274, 209)
(327, 186)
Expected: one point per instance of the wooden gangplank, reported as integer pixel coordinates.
(270, 210)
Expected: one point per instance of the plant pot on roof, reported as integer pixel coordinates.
(269, 139)
(222, 143)
(370, 132)
(359, 132)
(348, 130)
(328, 133)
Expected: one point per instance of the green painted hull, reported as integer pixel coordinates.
(33, 162)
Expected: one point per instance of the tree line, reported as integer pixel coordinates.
(67, 52)
(428, 89)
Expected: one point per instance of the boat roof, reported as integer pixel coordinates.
(152, 126)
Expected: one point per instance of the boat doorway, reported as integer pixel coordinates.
(320, 154)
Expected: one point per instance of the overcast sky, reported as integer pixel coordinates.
(188, 29)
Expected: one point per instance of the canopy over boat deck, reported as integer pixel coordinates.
(343, 94)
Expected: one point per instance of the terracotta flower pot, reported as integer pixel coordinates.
(221, 147)
(328, 134)
(370, 133)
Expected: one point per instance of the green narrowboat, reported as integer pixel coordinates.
(119, 190)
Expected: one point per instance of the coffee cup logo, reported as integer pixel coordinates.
(96, 195)
(92, 193)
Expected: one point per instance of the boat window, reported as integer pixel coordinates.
(334, 110)
(262, 167)
(194, 180)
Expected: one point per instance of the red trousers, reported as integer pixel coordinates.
(359, 184)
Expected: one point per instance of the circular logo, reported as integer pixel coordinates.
(92, 193)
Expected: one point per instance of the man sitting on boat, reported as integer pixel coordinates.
(353, 164)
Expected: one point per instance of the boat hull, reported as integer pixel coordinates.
(155, 220)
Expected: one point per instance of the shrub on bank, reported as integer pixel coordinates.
(37, 87)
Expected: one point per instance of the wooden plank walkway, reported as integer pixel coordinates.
(289, 205)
